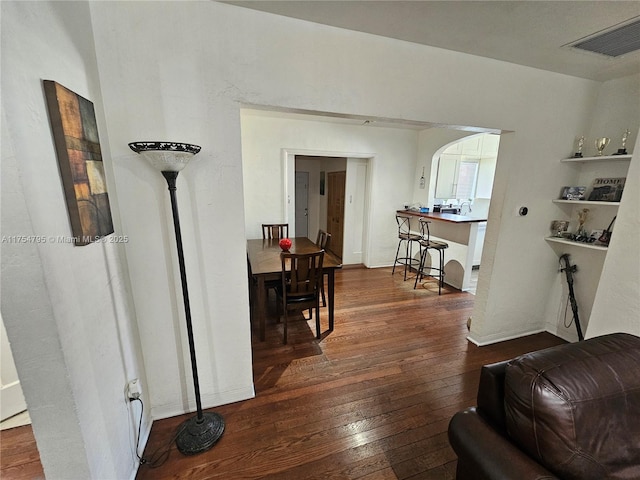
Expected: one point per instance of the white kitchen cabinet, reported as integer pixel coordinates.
(448, 165)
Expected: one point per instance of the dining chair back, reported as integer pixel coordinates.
(300, 288)
(322, 240)
(275, 230)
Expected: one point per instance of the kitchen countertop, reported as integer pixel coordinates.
(444, 217)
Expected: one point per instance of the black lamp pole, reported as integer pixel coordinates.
(199, 433)
(171, 178)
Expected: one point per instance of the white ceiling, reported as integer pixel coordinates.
(532, 33)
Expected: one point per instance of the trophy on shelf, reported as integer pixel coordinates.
(623, 150)
(578, 153)
(601, 144)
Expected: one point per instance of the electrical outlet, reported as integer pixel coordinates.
(133, 389)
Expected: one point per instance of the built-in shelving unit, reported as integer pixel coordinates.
(588, 202)
(566, 241)
(602, 158)
(588, 168)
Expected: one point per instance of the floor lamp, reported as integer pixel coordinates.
(201, 432)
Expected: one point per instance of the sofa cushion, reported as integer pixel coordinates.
(576, 407)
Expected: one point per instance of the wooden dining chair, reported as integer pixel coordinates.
(275, 230)
(322, 240)
(300, 287)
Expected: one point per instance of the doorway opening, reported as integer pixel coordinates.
(464, 175)
(334, 199)
(302, 204)
(321, 205)
(13, 408)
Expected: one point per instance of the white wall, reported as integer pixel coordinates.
(180, 71)
(13, 401)
(393, 153)
(617, 301)
(616, 305)
(608, 302)
(356, 212)
(67, 310)
(152, 88)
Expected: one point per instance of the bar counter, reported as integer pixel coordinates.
(451, 227)
(443, 217)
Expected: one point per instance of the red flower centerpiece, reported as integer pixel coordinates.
(285, 244)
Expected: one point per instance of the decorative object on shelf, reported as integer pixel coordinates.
(601, 144)
(623, 149)
(578, 153)
(595, 235)
(607, 189)
(605, 237)
(285, 244)
(573, 193)
(582, 218)
(558, 227)
(201, 432)
(585, 237)
(75, 135)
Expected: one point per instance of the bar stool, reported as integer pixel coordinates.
(425, 245)
(405, 235)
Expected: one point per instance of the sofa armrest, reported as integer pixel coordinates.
(491, 394)
(484, 454)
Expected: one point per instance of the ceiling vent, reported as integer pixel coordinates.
(612, 43)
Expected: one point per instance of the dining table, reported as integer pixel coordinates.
(265, 266)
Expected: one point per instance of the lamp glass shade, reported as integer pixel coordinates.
(166, 156)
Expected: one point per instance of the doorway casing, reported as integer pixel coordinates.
(353, 159)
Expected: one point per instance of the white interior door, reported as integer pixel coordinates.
(12, 400)
(302, 204)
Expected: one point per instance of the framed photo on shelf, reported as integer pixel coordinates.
(607, 189)
(572, 193)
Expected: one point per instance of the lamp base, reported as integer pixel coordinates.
(198, 436)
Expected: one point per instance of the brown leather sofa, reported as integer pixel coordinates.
(566, 412)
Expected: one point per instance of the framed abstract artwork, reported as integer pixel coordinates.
(75, 134)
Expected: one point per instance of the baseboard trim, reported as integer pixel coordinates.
(497, 339)
(159, 412)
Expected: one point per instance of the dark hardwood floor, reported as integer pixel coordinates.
(19, 458)
(371, 400)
